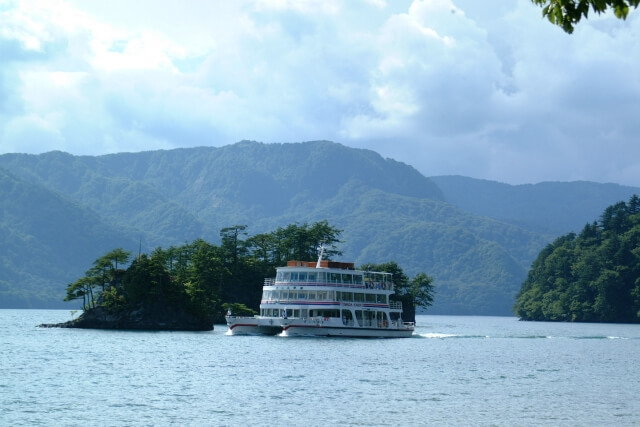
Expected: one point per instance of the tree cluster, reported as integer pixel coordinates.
(590, 277)
(102, 275)
(567, 13)
(416, 292)
(208, 279)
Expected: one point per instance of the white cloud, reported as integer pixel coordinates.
(486, 89)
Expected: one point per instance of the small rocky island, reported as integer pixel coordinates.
(145, 316)
(142, 297)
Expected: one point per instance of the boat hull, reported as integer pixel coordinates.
(310, 327)
(344, 331)
(253, 326)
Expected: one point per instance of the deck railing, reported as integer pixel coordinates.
(270, 281)
(395, 305)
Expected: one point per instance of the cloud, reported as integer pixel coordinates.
(489, 90)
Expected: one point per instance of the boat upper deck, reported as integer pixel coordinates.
(330, 273)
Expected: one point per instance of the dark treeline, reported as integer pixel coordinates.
(208, 279)
(590, 277)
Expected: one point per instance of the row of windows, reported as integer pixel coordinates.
(363, 318)
(367, 279)
(305, 295)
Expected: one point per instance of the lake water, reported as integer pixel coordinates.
(454, 371)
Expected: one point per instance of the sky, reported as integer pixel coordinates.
(487, 89)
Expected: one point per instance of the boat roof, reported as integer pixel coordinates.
(323, 264)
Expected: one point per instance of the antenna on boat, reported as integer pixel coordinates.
(321, 253)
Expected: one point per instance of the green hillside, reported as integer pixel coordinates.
(590, 277)
(45, 237)
(386, 209)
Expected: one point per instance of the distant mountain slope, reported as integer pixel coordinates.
(47, 240)
(477, 239)
(199, 189)
(478, 263)
(551, 208)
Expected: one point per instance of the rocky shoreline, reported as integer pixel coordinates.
(148, 316)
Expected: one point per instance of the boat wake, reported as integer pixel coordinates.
(442, 336)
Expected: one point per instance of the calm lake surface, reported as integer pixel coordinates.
(454, 371)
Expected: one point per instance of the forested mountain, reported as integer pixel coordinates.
(44, 236)
(388, 211)
(590, 277)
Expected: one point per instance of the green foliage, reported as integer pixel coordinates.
(418, 291)
(567, 13)
(113, 300)
(422, 290)
(590, 277)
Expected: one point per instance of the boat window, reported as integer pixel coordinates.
(279, 276)
(368, 283)
(302, 277)
(347, 296)
(294, 276)
(286, 276)
(304, 313)
(359, 317)
(386, 282)
(331, 296)
(312, 295)
(334, 277)
(313, 276)
(302, 294)
(381, 299)
(369, 317)
(347, 317)
(370, 297)
(321, 295)
(347, 278)
(358, 297)
(357, 279)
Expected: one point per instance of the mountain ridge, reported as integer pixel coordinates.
(478, 253)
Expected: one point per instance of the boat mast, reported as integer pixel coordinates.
(321, 253)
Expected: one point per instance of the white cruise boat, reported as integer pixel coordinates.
(326, 298)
